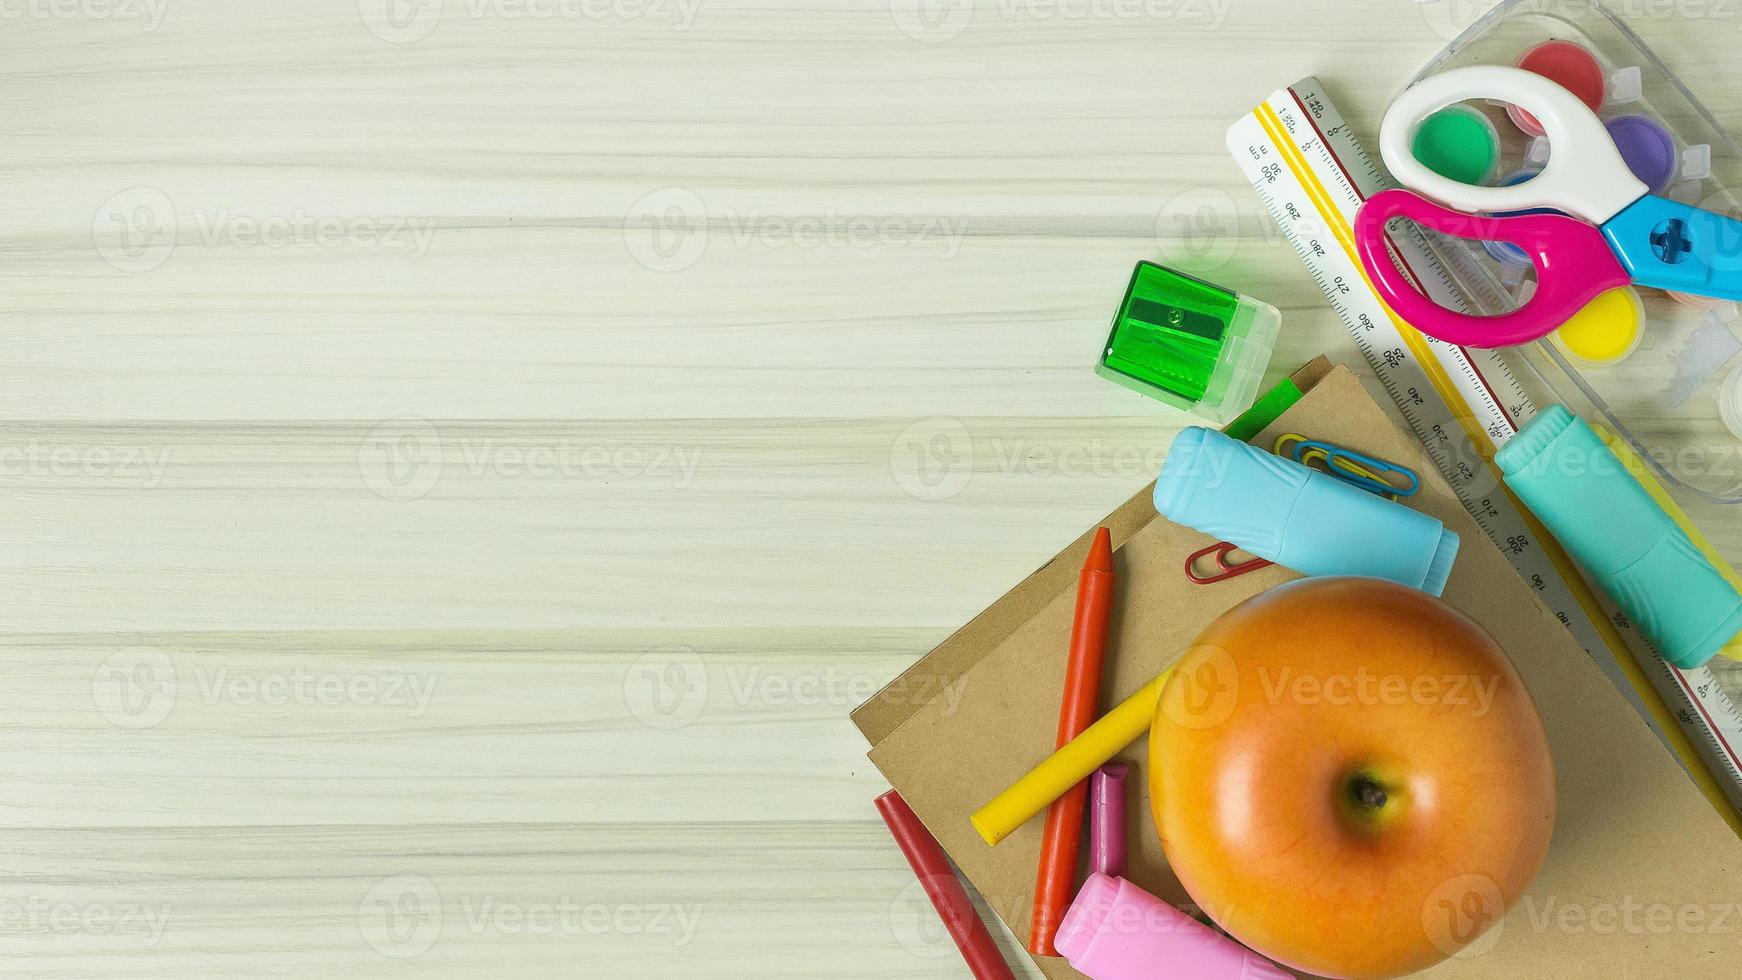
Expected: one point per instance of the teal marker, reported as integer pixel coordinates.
(1613, 528)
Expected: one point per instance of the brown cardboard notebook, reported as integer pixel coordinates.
(1644, 879)
(937, 670)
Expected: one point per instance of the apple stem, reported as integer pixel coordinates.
(1369, 794)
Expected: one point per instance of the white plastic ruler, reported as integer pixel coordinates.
(1463, 404)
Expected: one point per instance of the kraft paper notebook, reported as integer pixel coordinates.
(1635, 841)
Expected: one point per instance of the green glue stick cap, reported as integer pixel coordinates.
(1190, 344)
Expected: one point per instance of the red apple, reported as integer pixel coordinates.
(1349, 776)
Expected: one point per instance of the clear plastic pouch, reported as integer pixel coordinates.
(1674, 398)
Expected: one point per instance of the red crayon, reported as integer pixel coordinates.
(1056, 881)
(944, 889)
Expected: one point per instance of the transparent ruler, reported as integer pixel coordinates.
(1463, 404)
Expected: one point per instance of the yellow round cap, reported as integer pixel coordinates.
(1607, 329)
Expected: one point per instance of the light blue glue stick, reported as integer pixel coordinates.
(1610, 524)
(1298, 517)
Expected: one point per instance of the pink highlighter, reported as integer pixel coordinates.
(1117, 931)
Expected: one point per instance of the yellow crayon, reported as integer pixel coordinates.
(1071, 764)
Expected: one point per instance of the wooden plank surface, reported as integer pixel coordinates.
(462, 462)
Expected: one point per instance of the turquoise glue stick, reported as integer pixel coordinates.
(1612, 527)
(1298, 517)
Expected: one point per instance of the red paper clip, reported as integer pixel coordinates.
(1221, 552)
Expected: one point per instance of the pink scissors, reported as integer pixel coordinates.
(1613, 231)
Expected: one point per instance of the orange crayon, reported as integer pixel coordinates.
(1055, 883)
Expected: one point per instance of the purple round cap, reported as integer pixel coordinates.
(1648, 148)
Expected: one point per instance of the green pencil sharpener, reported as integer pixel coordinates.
(1188, 343)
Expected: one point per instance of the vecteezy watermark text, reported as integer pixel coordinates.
(1630, 916)
(140, 687)
(404, 916)
(140, 228)
(148, 13)
(1449, 18)
(47, 917)
(936, 21)
(915, 923)
(1367, 689)
(935, 458)
(409, 21)
(1205, 693)
(1466, 916)
(404, 459)
(670, 229)
(671, 687)
(141, 466)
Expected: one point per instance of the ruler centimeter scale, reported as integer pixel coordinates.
(1312, 175)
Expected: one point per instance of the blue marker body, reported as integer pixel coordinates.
(1298, 517)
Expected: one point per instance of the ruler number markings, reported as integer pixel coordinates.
(1481, 379)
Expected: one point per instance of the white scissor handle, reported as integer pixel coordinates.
(1585, 177)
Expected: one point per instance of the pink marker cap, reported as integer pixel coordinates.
(1117, 931)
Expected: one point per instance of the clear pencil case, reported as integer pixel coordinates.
(1675, 393)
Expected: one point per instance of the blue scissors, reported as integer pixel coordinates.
(1612, 231)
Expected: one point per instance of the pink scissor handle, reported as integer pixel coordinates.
(1574, 265)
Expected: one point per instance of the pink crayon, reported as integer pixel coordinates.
(1107, 820)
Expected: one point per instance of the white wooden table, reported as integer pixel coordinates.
(462, 462)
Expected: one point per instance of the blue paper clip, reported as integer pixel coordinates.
(1357, 469)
